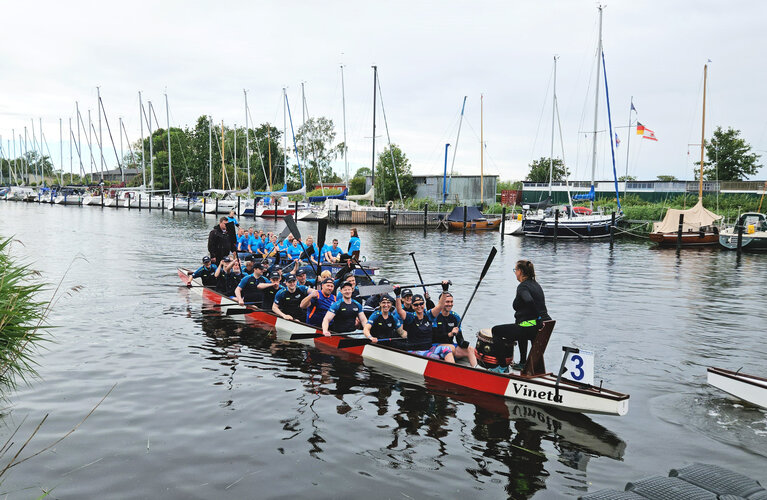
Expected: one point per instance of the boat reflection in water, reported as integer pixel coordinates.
(428, 428)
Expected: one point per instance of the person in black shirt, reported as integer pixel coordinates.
(228, 276)
(219, 245)
(287, 303)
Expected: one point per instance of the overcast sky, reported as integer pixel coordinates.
(429, 56)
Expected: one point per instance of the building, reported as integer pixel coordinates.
(117, 175)
(461, 189)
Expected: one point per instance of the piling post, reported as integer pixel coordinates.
(216, 206)
(129, 202)
(425, 217)
(740, 238)
(102, 199)
(188, 203)
(295, 213)
(503, 222)
(556, 224)
(336, 215)
(150, 202)
(612, 227)
(204, 205)
(388, 216)
(679, 232)
(139, 202)
(162, 201)
(238, 205)
(464, 220)
(276, 204)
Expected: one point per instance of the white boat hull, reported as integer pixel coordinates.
(749, 388)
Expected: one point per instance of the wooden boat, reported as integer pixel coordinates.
(749, 388)
(475, 220)
(544, 389)
(754, 237)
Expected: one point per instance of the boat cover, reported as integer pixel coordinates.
(538, 204)
(585, 196)
(342, 196)
(694, 218)
(472, 213)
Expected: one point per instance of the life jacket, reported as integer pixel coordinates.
(318, 307)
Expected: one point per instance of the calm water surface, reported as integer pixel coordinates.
(204, 407)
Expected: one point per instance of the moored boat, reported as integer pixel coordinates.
(474, 220)
(749, 388)
(544, 389)
(754, 237)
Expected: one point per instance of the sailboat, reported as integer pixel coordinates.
(698, 223)
(581, 222)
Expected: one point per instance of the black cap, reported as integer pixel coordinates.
(226, 259)
(327, 280)
(274, 275)
(407, 292)
(418, 297)
(301, 271)
(384, 281)
(290, 277)
(345, 284)
(206, 259)
(386, 296)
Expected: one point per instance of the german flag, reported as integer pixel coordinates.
(640, 129)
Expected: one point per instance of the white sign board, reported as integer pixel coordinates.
(579, 367)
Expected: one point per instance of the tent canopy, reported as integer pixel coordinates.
(472, 213)
(694, 218)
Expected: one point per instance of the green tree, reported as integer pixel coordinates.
(629, 178)
(386, 182)
(729, 157)
(539, 170)
(666, 178)
(314, 142)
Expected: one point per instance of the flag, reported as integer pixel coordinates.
(617, 140)
(640, 129)
(632, 107)
(649, 134)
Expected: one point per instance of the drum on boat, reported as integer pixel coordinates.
(485, 349)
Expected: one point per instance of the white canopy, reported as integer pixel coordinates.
(694, 218)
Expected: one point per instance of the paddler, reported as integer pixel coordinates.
(287, 302)
(207, 272)
(407, 300)
(251, 288)
(332, 253)
(418, 326)
(349, 278)
(529, 313)
(228, 276)
(345, 314)
(318, 302)
(271, 292)
(382, 324)
(445, 327)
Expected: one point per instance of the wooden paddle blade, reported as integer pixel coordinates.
(299, 336)
(322, 230)
(292, 226)
(231, 232)
(345, 343)
(488, 262)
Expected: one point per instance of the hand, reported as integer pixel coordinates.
(397, 291)
(426, 295)
(445, 285)
(241, 302)
(288, 316)
(373, 339)
(454, 332)
(326, 333)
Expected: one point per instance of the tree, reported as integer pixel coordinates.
(314, 142)
(729, 157)
(629, 178)
(666, 178)
(539, 170)
(386, 182)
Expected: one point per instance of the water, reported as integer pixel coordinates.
(204, 407)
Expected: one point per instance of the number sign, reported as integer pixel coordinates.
(579, 367)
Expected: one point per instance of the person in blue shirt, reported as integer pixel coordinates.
(284, 245)
(318, 302)
(207, 272)
(270, 248)
(251, 288)
(332, 253)
(254, 244)
(294, 250)
(287, 302)
(382, 324)
(445, 327)
(354, 244)
(232, 218)
(344, 314)
(242, 241)
(418, 326)
(311, 254)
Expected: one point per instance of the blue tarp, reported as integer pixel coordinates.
(472, 213)
(586, 196)
(342, 196)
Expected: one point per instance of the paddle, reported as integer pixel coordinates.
(297, 234)
(459, 337)
(232, 235)
(232, 304)
(379, 289)
(322, 230)
(344, 343)
(299, 336)
(412, 254)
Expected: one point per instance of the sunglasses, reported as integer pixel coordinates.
(416, 304)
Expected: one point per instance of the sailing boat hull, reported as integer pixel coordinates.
(689, 239)
(589, 227)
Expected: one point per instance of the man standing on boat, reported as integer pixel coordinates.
(345, 314)
(287, 303)
(219, 245)
(318, 302)
(529, 313)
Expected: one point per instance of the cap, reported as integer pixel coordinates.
(274, 275)
(418, 297)
(327, 280)
(206, 259)
(407, 292)
(226, 259)
(349, 275)
(290, 277)
(386, 297)
(345, 284)
(301, 271)
(384, 281)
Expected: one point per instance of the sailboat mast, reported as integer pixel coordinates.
(346, 149)
(235, 157)
(553, 110)
(210, 152)
(170, 168)
(269, 146)
(482, 149)
(151, 147)
(596, 106)
(285, 136)
(101, 137)
(61, 150)
(373, 167)
(457, 138)
(223, 185)
(71, 158)
(703, 134)
(247, 137)
(141, 127)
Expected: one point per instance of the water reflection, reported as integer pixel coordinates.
(426, 422)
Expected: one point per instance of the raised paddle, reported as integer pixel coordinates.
(489, 261)
(232, 235)
(366, 291)
(412, 254)
(297, 234)
(322, 231)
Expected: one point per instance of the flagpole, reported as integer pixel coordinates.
(628, 148)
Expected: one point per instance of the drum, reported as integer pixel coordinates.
(485, 349)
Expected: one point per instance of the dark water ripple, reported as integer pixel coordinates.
(205, 407)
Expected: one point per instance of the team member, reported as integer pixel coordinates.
(294, 250)
(345, 314)
(354, 244)
(407, 299)
(254, 244)
(529, 312)
(242, 240)
(332, 253)
(207, 272)
(372, 303)
(271, 292)
(418, 327)
(272, 248)
(228, 276)
(445, 328)
(219, 245)
(318, 302)
(232, 218)
(349, 278)
(382, 324)
(287, 302)
(251, 288)
(311, 253)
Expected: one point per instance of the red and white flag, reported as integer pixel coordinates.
(649, 134)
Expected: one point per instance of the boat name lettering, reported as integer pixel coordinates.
(527, 392)
(526, 411)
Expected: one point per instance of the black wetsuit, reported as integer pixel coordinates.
(529, 310)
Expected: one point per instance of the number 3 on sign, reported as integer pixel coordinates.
(580, 367)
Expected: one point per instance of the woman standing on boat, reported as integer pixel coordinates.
(529, 312)
(354, 244)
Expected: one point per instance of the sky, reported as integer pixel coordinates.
(429, 56)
